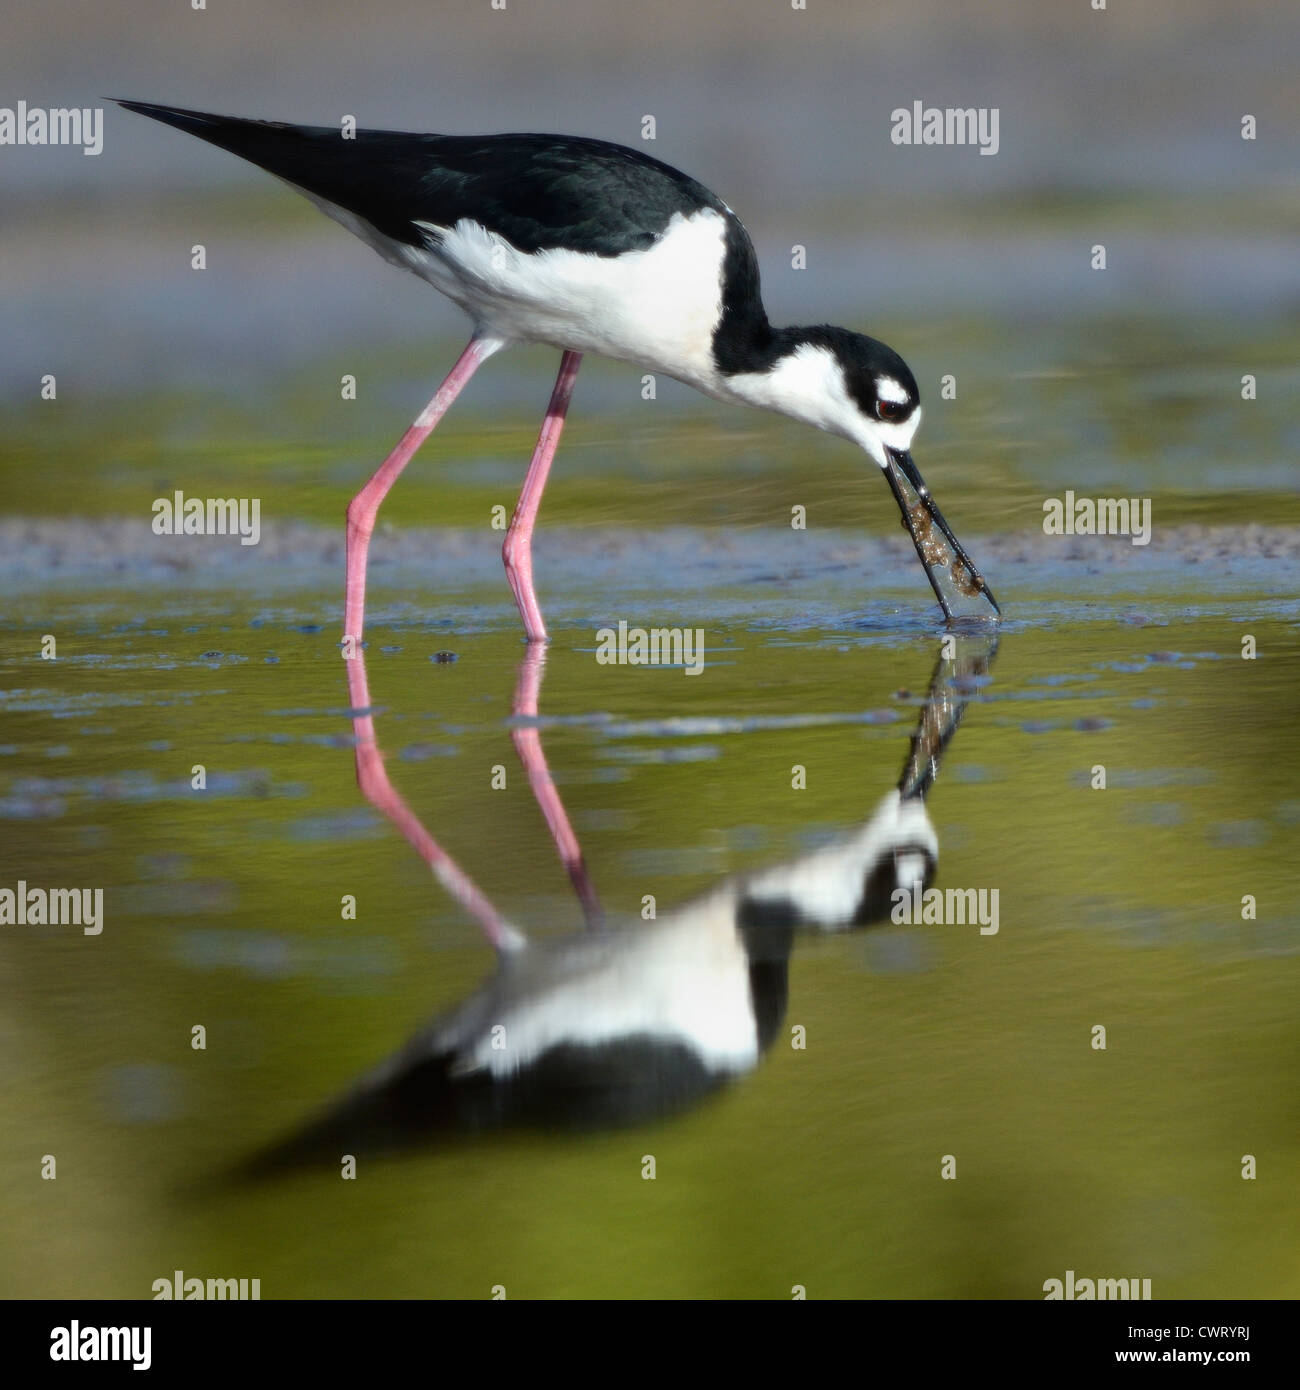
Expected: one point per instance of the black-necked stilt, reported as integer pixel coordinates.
(591, 247)
(627, 1023)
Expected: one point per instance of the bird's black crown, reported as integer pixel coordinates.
(866, 363)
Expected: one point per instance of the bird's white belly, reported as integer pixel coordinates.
(682, 979)
(656, 308)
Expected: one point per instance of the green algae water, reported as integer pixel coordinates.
(1124, 777)
(935, 1114)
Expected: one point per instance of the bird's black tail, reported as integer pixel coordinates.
(410, 1107)
(367, 174)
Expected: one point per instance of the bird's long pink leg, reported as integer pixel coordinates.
(528, 744)
(372, 778)
(364, 507)
(518, 549)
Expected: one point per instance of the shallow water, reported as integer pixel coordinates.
(1119, 907)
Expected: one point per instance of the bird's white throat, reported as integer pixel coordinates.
(808, 384)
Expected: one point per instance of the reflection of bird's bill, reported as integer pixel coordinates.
(951, 687)
(957, 584)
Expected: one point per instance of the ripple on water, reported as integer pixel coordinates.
(1166, 815)
(341, 964)
(345, 825)
(886, 952)
(692, 753)
(42, 797)
(1242, 834)
(143, 1093)
(422, 752)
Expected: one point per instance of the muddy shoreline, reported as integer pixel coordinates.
(58, 553)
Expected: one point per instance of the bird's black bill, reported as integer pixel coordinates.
(957, 584)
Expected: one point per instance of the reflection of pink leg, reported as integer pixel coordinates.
(518, 549)
(364, 507)
(528, 744)
(372, 778)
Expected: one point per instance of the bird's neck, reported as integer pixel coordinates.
(788, 370)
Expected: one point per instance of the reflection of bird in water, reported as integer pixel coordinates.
(615, 1025)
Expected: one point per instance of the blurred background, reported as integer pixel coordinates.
(1120, 127)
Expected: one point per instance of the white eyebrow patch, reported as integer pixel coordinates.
(890, 390)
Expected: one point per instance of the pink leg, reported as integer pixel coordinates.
(518, 549)
(372, 778)
(528, 744)
(364, 507)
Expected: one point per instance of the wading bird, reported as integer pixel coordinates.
(590, 247)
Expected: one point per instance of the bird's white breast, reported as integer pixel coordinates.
(656, 308)
(683, 979)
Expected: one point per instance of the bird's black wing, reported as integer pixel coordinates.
(537, 191)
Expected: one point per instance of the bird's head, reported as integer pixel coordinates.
(871, 394)
(858, 388)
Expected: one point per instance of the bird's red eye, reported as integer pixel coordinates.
(891, 412)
